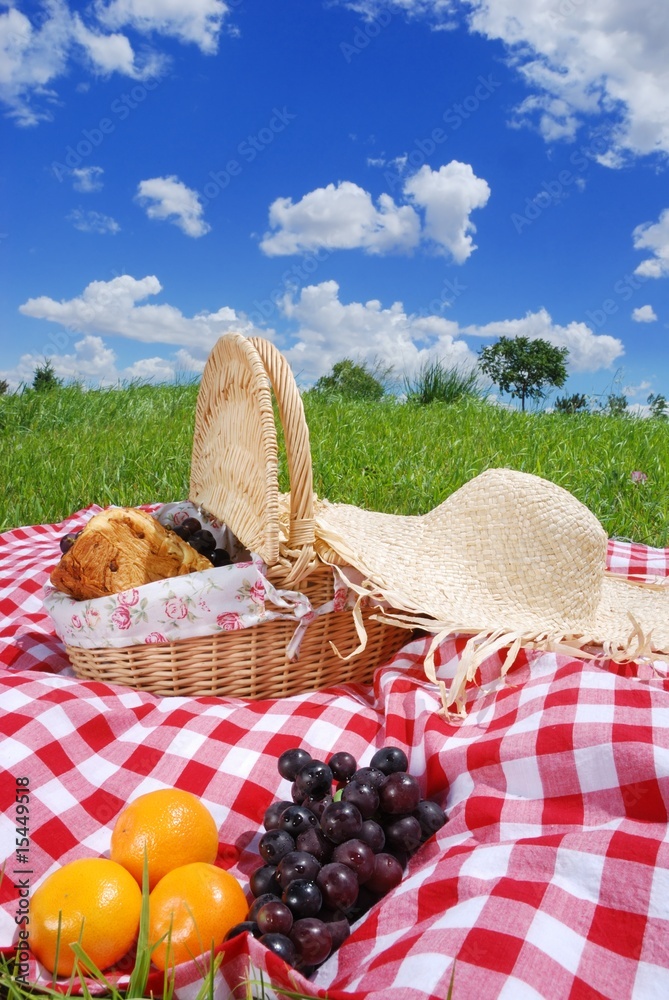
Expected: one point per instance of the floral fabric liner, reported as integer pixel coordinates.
(221, 599)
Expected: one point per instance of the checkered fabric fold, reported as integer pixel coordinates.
(550, 878)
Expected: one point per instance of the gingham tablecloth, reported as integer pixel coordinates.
(550, 879)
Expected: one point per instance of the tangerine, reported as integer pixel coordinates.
(96, 902)
(192, 909)
(172, 826)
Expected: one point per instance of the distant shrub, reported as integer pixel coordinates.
(658, 406)
(351, 381)
(4, 386)
(435, 382)
(576, 403)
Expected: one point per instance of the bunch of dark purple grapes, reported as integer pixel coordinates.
(202, 540)
(330, 856)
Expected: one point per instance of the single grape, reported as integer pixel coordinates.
(274, 845)
(386, 875)
(297, 795)
(281, 946)
(273, 814)
(313, 940)
(338, 885)
(296, 819)
(291, 761)
(274, 918)
(297, 864)
(266, 897)
(400, 793)
(316, 806)
(182, 532)
(403, 832)
(191, 524)
(389, 760)
(68, 540)
(220, 557)
(372, 834)
(369, 776)
(364, 796)
(314, 841)
(337, 924)
(341, 821)
(246, 925)
(303, 897)
(202, 541)
(315, 778)
(265, 879)
(358, 856)
(430, 816)
(343, 765)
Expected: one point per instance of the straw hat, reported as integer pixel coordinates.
(510, 559)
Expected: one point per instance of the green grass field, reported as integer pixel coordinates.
(65, 449)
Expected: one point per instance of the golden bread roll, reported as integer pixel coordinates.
(122, 548)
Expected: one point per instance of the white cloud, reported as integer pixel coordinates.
(340, 217)
(197, 21)
(602, 61)
(113, 308)
(448, 196)
(37, 50)
(169, 198)
(636, 390)
(325, 329)
(588, 351)
(644, 314)
(87, 179)
(344, 217)
(93, 222)
(654, 237)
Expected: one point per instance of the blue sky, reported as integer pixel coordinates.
(390, 181)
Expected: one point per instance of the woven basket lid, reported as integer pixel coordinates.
(234, 461)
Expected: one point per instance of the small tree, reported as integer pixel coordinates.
(658, 406)
(351, 381)
(44, 377)
(575, 403)
(4, 386)
(523, 367)
(616, 404)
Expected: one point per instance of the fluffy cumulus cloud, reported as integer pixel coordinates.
(329, 329)
(168, 198)
(654, 236)
(118, 308)
(582, 60)
(322, 329)
(448, 196)
(644, 314)
(37, 50)
(344, 216)
(588, 351)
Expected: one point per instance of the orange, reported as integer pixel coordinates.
(99, 904)
(174, 828)
(200, 903)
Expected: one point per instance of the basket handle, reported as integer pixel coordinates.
(302, 529)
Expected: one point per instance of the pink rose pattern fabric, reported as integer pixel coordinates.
(224, 598)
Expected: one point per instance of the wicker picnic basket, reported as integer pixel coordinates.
(234, 476)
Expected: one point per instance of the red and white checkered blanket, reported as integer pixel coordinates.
(550, 879)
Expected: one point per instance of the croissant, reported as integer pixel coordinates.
(119, 549)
